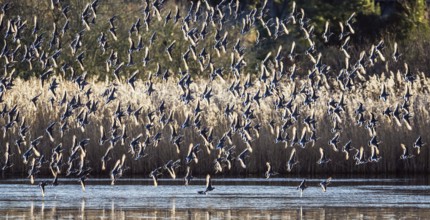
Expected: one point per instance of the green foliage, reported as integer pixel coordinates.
(407, 19)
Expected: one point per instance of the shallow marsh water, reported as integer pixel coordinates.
(251, 198)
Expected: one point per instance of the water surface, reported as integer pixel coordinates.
(254, 198)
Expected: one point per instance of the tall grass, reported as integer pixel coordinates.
(264, 147)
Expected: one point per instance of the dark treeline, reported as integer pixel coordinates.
(404, 22)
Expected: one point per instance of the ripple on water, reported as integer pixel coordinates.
(177, 201)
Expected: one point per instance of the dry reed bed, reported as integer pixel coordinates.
(264, 146)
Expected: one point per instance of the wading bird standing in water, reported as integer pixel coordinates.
(302, 187)
(209, 186)
(42, 187)
(325, 183)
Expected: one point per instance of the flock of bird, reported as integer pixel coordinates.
(25, 44)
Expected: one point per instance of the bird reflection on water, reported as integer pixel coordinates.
(173, 213)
